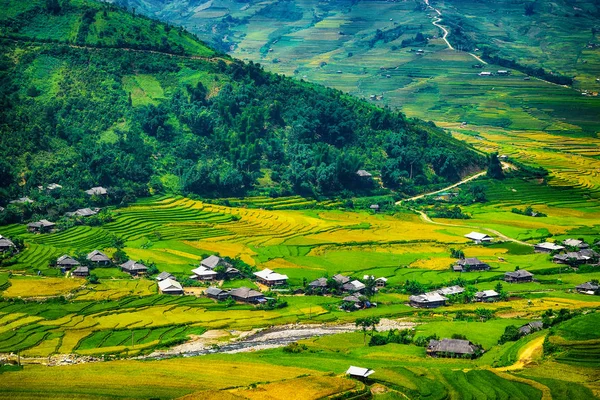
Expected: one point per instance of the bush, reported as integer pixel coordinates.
(295, 348)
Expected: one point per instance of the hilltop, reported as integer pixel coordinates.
(95, 95)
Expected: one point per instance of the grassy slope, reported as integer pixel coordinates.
(111, 27)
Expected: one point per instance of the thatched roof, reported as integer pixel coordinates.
(453, 346)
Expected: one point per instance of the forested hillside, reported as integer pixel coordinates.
(93, 95)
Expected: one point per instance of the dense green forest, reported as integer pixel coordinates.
(95, 96)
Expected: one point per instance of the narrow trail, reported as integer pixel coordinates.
(472, 177)
(502, 236)
(526, 355)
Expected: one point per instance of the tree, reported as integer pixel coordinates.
(93, 279)
(494, 170)
(370, 286)
(511, 334)
(365, 324)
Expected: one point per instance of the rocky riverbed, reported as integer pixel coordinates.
(230, 342)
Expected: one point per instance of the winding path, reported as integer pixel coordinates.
(526, 355)
(470, 178)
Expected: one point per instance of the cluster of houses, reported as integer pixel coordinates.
(572, 251)
(243, 294)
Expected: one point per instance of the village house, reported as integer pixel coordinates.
(374, 207)
(341, 279)
(354, 286)
(547, 247)
(83, 212)
(203, 274)
(6, 244)
(66, 262)
(379, 282)
(580, 244)
(359, 373)
(518, 276)
(485, 73)
(81, 272)
(170, 286)
(487, 296)
(133, 267)
(355, 300)
(164, 275)
(478, 238)
(571, 258)
(22, 200)
(97, 191)
(588, 288)
(320, 283)
(247, 295)
(428, 300)
(503, 72)
(98, 258)
(452, 348)
(213, 262)
(470, 264)
(450, 290)
(364, 174)
(216, 293)
(531, 327)
(40, 226)
(271, 278)
(53, 186)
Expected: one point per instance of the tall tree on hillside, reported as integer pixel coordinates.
(494, 167)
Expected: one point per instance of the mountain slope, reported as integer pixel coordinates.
(161, 111)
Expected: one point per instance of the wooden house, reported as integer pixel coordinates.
(428, 300)
(518, 276)
(164, 275)
(487, 296)
(271, 278)
(470, 264)
(133, 267)
(216, 293)
(98, 258)
(588, 288)
(452, 348)
(81, 272)
(247, 295)
(170, 286)
(531, 327)
(40, 226)
(547, 247)
(66, 262)
(6, 244)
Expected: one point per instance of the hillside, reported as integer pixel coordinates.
(94, 95)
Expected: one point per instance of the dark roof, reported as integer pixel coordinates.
(97, 256)
(245, 293)
(212, 262)
(341, 278)
(352, 299)
(455, 346)
(321, 282)
(531, 327)
(43, 223)
(519, 274)
(587, 286)
(214, 291)
(66, 260)
(164, 275)
(81, 270)
(469, 261)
